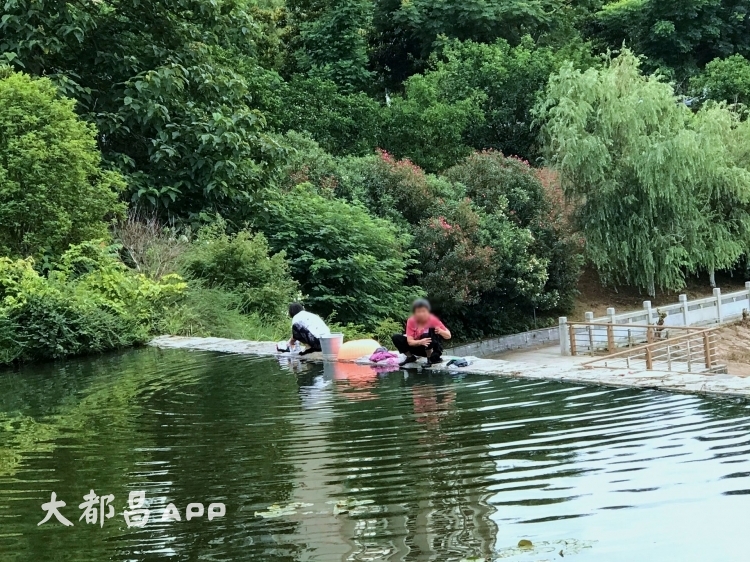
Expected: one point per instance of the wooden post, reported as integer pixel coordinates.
(591, 340)
(572, 333)
(649, 359)
(610, 338)
(649, 334)
(707, 349)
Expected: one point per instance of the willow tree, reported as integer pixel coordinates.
(658, 188)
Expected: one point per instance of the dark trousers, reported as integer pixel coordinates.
(303, 335)
(435, 349)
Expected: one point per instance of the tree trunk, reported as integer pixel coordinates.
(712, 278)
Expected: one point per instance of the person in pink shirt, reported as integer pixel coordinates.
(424, 337)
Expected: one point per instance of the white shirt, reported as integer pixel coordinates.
(314, 323)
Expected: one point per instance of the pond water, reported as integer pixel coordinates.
(348, 464)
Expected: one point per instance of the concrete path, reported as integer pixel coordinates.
(556, 368)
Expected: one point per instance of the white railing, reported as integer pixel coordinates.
(716, 309)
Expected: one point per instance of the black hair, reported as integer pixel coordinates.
(421, 303)
(295, 308)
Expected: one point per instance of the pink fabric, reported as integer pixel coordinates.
(388, 357)
(415, 331)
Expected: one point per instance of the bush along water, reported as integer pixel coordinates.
(89, 302)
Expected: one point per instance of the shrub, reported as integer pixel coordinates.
(207, 312)
(92, 271)
(242, 263)
(507, 185)
(89, 303)
(457, 265)
(308, 162)
(724, 80)
(53, 191)
(51, 326)
(394, 189)
(345, 260)
(148, 246)
(480, 271)
(532, 199)
(343, 123)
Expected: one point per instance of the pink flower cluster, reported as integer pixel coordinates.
(404, 164)
(444, 224)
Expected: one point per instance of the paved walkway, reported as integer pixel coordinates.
(545, 366)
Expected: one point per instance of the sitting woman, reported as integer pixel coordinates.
(307, 328)
(425, 334)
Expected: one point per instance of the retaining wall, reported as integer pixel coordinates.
(544, 336)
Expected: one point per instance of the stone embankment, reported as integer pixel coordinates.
(562, 369)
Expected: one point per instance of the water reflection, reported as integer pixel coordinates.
(346, 463)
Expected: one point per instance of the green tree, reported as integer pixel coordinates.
(346, 261)
(429, 130)
(508, 81)
(342, 123)
(53, 190)
(406, 33)
(333, 38)
(676, 36)
(174, 88)
(724, 80)
(659, 189)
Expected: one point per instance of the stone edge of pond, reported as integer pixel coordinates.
(685, 383)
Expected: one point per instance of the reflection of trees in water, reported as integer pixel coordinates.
(182, 426)
(394, 451)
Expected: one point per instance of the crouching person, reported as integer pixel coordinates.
(307, 328)
(424, 337)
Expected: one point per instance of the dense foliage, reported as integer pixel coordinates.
(89, 302)
(663, 191)
(347, 262)
(356, 153)
(53, 191)
(241, 264)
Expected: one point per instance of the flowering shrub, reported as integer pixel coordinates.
(532, 199)
(456, 267)
(395, 189)
(496, 183)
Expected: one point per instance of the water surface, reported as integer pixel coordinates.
(350, 464)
